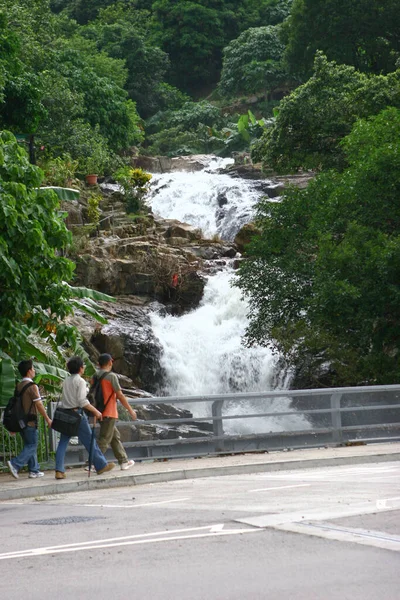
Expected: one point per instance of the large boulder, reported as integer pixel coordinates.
(129, 338)
(245, 235)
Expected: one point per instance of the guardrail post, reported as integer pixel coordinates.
(336, 416)
(218, 427)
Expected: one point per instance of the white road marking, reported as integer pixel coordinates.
(214, 531)
(281, 487)
(312, 514)
(345, 534)
(217, 528)
(133, 505)
(383, 503)
(330, 472)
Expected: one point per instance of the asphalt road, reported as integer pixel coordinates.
(322, 534)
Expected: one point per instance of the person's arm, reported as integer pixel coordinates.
(41, 410)
(93, 410)
(126, 404)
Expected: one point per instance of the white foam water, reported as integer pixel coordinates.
(212, 202)
(203, 354)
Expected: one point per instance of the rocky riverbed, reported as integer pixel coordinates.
(150, 264)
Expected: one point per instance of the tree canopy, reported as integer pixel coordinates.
(361, 33)
(316, 116)
(252, 62)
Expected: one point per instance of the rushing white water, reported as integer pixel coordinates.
(203, 355)
(203, 352)
(212, 202)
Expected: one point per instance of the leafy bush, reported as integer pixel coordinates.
(135, 185)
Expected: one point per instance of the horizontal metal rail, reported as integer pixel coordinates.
(170, 435)
(267, 394)
(326, 417)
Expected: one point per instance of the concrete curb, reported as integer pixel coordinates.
(97, 483)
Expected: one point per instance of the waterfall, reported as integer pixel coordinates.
(202, 350)
(213, 202)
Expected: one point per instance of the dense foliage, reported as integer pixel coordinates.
(322, 278)
(362, 33)
(32, 233)
(57, 85)
(35, 296)
(253, 63)
(316, 116)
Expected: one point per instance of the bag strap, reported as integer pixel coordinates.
(98, 380)
(22, 392)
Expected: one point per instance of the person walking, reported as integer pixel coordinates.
(74, 397)
(32, 406)
(109, 434)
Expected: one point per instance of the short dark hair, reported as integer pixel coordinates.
(104, 359)
(74, 365)
(25, 366)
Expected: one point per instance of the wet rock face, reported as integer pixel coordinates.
(165, 164)
(129, 338)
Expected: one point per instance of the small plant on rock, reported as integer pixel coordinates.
(135, 185)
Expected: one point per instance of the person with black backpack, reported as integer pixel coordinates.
(104, 392)
(27, 393)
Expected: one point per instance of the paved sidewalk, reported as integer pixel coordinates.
(170, 470)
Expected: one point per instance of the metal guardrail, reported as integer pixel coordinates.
(262, 421)
(251, 422)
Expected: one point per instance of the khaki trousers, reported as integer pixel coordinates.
(109, 436)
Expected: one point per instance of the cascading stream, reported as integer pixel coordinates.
(202, 350)
(208, 200)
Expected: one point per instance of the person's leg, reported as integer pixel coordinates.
(29, 452)
(85, 437)
(33, 465)
(60, 454)
(106, 433)
(117, 447)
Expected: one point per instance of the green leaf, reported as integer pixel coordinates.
(252, 118)
(82, 292)
(7, 379)
(32, 350)
(90, 311)
(66, 194)
(50, 373)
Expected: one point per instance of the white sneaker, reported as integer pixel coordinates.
(13, 470)
(92, 469)
(33, 475)
(127, 465)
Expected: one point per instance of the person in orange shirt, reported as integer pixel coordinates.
(109, 434)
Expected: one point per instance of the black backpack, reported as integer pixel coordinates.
(15, 418)
(95, 394)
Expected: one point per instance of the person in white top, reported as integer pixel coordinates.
(74, 398)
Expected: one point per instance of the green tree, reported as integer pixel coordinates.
(194, 33)
(32, 234)
(316, 116)
(20, 90)
(322, 277)
(35, 296)
(252, 63)
(362, 33)
(124, 33)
